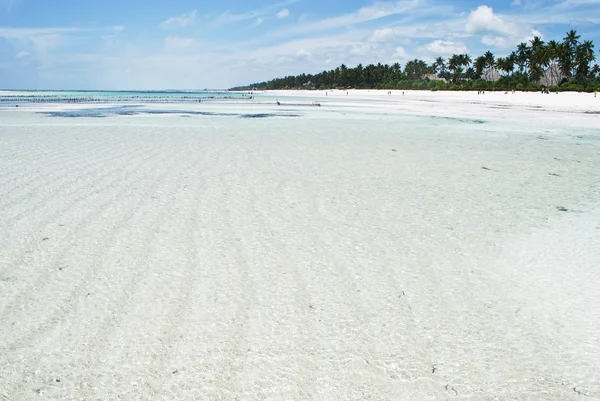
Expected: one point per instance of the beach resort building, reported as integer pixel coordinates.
(552, 76)
(491, 75)
(433, 77)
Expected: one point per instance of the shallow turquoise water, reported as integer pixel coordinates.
(117, 96)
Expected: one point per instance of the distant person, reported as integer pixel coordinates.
(595, 93)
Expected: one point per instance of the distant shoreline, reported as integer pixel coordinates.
(403, 90)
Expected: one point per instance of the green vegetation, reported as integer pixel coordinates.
(565, 66)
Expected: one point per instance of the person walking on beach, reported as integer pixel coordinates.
(595, 93)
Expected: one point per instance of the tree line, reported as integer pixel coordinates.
(568, 65)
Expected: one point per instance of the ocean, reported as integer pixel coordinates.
(300, 245)
(116, 96)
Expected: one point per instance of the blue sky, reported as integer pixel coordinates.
(160, 44)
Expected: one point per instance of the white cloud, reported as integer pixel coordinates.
(224, 18)
(383, 35)
(509, 41)
(44, 43)
(182, 20)
(303, 54)
(530, 36)
(516, 2)
(321, 48)
(499, 31)
(377, 10)
(283, 13)
(379, 32)
(27, 33)
(400, 53)
(496, 41)
(178, 42)
(483, 20)
(303, 17)
(446, 47)
(118, 28)
(229, 18)
(382, 9)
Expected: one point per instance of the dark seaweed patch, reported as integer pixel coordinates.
(265, 115)
(136, 110)
(462, 120)
(95, 112)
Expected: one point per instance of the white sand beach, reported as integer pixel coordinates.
(431, 246)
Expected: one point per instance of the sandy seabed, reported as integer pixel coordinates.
(432, 246)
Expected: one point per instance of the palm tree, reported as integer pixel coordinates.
(550, 59)
(480, 64)
(570, 42)
(489, 59)
(454, 65)
(440, 66)
(511, 60)
(584, 56)
(553, 48)
(458, 74)
(416, 69)
(344, 76)
(396, 68)
(501, 64)
(486, 62)
(571, 58)
(466, 60)
(523, 53)
(463, 61)
(572, 39)
(537, 58)
(542, 56)
(563, 56)
(471, 74)
(358, 75)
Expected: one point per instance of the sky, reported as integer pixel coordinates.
(197, 44)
